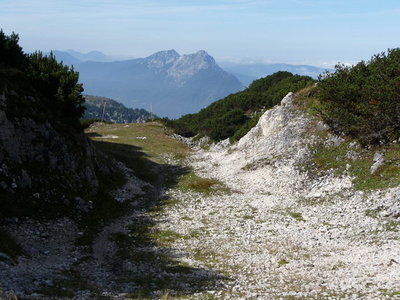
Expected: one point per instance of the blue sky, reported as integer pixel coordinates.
(317, 32)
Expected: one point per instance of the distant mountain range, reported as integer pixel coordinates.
(113, 111)
(247, 73)
(72, 57)
(169, 83)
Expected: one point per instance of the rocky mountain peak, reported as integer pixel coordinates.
(188, 65)
(203, 56)
(162, 58)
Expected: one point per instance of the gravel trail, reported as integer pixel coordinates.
(279, 234)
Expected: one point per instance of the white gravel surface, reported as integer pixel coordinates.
(279, 234)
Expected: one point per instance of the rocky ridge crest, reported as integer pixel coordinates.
(181, 67)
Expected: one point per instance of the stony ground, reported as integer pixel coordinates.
(274, 244)
(265, 229)
(280, 234)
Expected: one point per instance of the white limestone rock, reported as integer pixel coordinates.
(379, 159)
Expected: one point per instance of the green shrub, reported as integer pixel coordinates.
(58, 84)
(363, 101)
(54, 84)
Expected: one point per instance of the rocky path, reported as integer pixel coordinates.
(272, 244)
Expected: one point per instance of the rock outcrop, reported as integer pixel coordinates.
(278, 133)
(40, 161)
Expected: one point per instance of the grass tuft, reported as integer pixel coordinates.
(192, 182)
(297, 216)
(283, 262)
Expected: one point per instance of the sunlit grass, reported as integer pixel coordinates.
(150, 138)
(334, 158)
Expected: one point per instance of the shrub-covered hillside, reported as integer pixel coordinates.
(233, 116)
(113, 111)
(363, 101)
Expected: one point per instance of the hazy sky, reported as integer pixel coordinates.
(318, 32)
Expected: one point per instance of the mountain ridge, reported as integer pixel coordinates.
(247, 73)
(73, 57)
